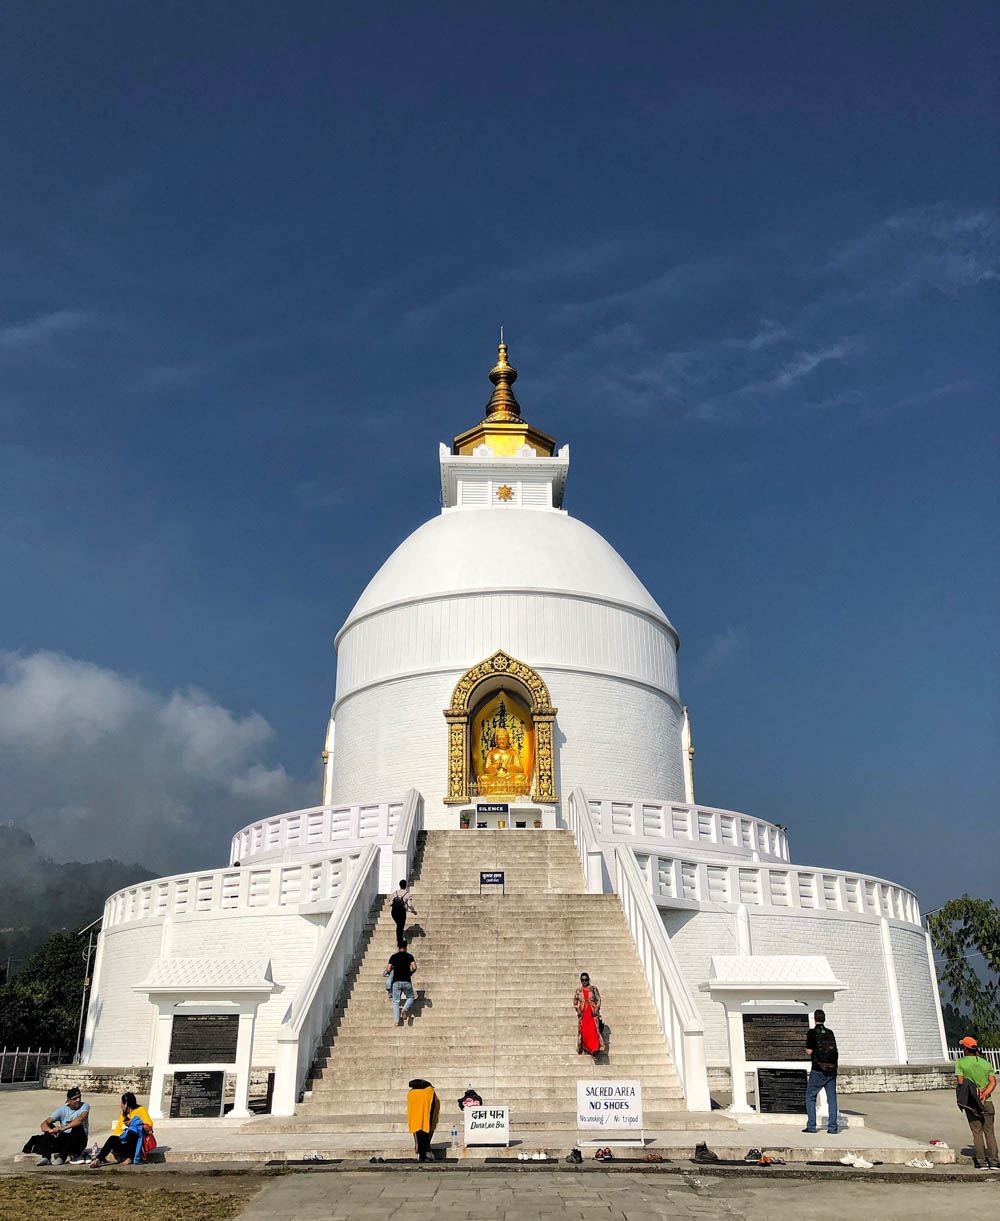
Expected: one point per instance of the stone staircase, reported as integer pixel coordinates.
(494, 985)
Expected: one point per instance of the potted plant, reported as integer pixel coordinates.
(466, 819)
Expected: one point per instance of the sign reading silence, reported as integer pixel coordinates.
(487, 1126)
(609, 1104)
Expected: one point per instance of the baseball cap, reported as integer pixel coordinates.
(968, 1041)
(74, 1092)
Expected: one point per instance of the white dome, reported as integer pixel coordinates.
(548, 552)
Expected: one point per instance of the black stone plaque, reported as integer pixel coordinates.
(204, 1038)
(197, 1095)
(781, 1091)
(775, 1036)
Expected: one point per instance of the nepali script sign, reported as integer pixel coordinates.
(487, 1125)
(609, 1104)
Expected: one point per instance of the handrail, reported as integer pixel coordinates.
(244, 888)
(309, 1013)
(706, 828)
(676, 881)
(404, 841)
(316, 828)
(581, 823)
(679, 1019)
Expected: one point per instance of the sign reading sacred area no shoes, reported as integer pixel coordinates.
(609, 1104)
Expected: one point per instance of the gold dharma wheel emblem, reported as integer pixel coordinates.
(504, 492)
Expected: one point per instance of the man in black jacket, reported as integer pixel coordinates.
(822, 1048)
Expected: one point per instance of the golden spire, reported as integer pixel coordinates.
(503, 404)
(503, 429)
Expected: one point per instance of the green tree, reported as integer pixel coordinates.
(962, 929)
(40, 1005)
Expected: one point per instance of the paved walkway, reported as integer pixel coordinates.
(511, 1196)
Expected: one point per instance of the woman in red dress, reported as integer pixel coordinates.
(587, 1003)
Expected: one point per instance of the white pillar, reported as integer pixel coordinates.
(244, 1059)
(161, 1054)
(892, 988)
(687, 760)
(328, 763)
(937, 997)
(737, 1059)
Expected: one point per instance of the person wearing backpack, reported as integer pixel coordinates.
(399, 905)
(821, 1044)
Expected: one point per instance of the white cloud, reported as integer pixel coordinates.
(23, 336)
(97, 764)
(721, 648)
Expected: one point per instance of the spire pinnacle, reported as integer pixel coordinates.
(503, 404)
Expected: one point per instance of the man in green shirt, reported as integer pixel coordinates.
(974, 1068)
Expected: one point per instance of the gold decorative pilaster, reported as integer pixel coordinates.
(458, 759)
(545, 783)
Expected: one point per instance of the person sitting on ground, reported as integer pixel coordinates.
(64, 1133)
(125, 1140)
(402, 964)
(422, 1107)
(978, 1070)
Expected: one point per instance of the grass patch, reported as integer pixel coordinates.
(28, 1199)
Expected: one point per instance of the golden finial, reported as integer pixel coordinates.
(503, 404)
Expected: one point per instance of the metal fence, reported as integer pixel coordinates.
(23, 1064)
(988, 1053)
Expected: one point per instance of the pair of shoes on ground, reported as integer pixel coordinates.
(604, 1155)
(702, 1153)
(815, 1131)
(655, 1157)
(987, 1165)
(857, 1161)
(538, 1156)
(920, 1163)
(574, 1157)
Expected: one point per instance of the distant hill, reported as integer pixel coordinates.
(38, 896)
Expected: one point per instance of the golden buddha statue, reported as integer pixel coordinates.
(503, 771)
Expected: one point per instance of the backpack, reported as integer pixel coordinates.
(825, 1055)
(469, 1099)
(397, 908)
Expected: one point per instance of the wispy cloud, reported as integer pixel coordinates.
(721, 649)
(938, 248)
(38, 331)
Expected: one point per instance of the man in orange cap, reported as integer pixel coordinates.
(978, 1071)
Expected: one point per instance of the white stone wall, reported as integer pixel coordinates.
(544, 630)
(860, 1016)
(123, 1018)
(695, 936)
(611, 736)
(916, 995)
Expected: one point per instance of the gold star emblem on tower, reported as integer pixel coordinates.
(504, 492)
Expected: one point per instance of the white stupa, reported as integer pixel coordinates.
(506, 669)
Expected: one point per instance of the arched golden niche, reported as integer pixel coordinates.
(503, 747)
(493, 751)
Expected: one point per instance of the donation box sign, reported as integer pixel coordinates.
(609, 1104)
(487, 1125)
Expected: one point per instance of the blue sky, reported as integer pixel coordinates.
(253, 262)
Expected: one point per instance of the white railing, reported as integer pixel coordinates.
(704, 827)
(309, 1013)
(243, 888)
(398, 860)
(988, 1053)
(581, 823)
(679, 1019)
(676, 881)
(316, 829)
(23, 1064)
